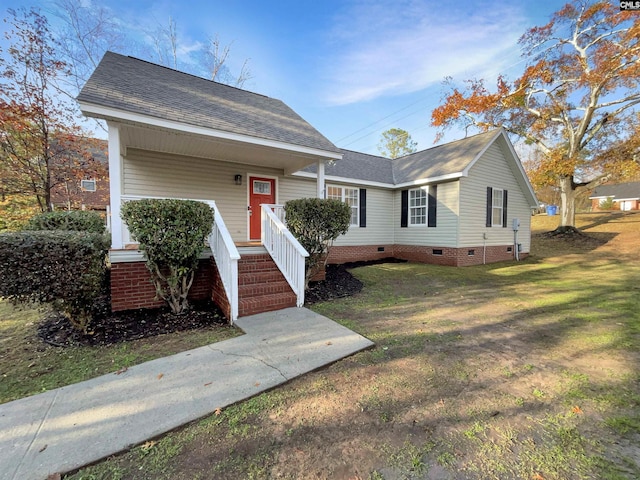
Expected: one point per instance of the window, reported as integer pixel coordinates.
(496, 207)
(350, 196)
(261, 187)
(418, 207)
(88, 185)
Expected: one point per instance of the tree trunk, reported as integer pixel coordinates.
(568, 202)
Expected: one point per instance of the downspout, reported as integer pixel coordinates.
(484, 248)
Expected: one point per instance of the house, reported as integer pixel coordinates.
(625, 196)
(176, 135)
(83, 179)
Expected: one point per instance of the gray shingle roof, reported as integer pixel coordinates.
(140, 87)
(359, 166)
(448, 159)
(630, 190)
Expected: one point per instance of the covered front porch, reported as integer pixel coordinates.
(256, 265)
(174, 135)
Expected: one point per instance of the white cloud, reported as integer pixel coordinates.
(392, 47)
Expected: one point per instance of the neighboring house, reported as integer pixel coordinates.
(88, 187)
(625, 196)
(179, 136)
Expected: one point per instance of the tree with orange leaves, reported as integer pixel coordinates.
(575, 101)
(40, 146)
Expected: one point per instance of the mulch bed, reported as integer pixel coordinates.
(117, 327)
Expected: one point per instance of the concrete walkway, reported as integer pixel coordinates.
(64, 429)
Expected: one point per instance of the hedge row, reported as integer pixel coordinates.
(77, 220)
(62, 268)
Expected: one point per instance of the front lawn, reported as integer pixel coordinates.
(507, 371)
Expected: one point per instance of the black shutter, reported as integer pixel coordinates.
(489, 205)
(432, 206)
(504, 209)
(404, 210)
(363, 207)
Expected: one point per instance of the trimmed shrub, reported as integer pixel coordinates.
(171, 233)
(316, 223)
(64, 269)
(77, 220)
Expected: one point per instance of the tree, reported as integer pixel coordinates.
(579, 87)
(212, 57)
(87, 32)
(39, 145)
(214, 60)
(396, 143)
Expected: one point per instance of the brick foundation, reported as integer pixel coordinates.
(131, 286)
(455, 257)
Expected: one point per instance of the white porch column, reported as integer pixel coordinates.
(115, 184)
(320, 181)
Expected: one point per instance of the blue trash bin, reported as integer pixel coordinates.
(552, 209)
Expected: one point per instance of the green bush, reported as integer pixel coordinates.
(64, 269)
(316, 223)
(607, 204)
(77, 220)
(171, 233)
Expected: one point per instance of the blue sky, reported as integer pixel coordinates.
(352, 68)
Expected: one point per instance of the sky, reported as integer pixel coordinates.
(351, 68)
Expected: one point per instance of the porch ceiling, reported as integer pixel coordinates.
(193, 145)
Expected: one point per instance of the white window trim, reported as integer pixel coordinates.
(342, 198)
(493, 196)
(426, 207)
(84, 189)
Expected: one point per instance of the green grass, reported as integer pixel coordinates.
(29, 366)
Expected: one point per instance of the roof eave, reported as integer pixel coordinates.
(107, 113)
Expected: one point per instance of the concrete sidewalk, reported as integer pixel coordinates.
(64, 429)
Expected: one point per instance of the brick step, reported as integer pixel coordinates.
(265, 303)
(265, 288)
(256, 263)
(250, 278)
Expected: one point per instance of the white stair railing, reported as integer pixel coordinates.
(226, 256)
(284, 248)
(223, 249)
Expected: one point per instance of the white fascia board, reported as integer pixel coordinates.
(431, 180)
(334, 178)
(91, 110)
(369, 183)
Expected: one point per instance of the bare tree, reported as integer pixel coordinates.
(215, 56)
(87, 33)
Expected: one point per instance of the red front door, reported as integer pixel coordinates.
(261, 190)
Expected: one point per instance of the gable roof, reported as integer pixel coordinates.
(447, 161)
(135, 86)
(621, 191)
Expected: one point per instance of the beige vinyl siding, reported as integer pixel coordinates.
(162, 175)
(379, 210)
(444, 234)
(296, 187)
(492, 170)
